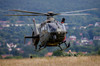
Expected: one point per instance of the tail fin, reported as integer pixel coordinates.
(36, 32)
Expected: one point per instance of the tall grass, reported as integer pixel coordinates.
(53, 61)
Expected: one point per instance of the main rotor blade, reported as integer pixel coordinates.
(23, 15)
(75, 14)
(80, 10)
(3, 10)
(26, 11)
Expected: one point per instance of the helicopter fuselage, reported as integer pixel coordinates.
(52, 39)
(52, 34)
(49, 34)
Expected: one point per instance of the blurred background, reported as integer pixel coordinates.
(83, 31)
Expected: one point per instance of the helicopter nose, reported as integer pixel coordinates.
(58, 30)
(57, 36)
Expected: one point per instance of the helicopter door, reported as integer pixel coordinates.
(44, 35)
(51, 27)
(44, 28)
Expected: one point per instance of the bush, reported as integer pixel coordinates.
(18, 57)
(58, 53)
(9, 57)
(99, 52)
(80, 53)
(75, 55)
(0, 57)
(33, 55)
(15, 57)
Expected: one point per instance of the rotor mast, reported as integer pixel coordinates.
(50, 15)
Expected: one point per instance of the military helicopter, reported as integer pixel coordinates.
(50, 33)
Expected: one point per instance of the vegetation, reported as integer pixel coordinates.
(53, 61)
(0, 57)
(98, 52)
(16, 34)
(58, 53)
(15, 57)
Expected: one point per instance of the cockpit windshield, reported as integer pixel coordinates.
(54, 27)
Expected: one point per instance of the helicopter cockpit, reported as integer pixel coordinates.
(53, 27)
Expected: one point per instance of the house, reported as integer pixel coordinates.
(29, 43)
(90, 25)
(91, 42)
(5, 25)
(19, 21)
(2, 22)
(83, 27)
(49, 54)
(73, 38)
(97, 24)
(96, 38)
(84, 52)
(21, 51)
(18, 49)
(16, 25)
(84, 41)
(81, 34)
(6, 55)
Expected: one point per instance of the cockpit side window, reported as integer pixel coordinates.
(44, 28)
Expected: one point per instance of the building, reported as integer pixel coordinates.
(19, 21)
(3, 22)
(84, 41)
(96, 38)
(90, 25)
(6, 55)
(73, 38)
(49, 54)
(97, 24)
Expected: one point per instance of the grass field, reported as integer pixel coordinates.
(53, 61)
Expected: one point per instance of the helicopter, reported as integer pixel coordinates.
(50, 33)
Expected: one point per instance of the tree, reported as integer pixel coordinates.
(0, 57)
(58, 53)
(98, 52)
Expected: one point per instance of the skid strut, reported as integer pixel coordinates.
(67, 45)
(41, 47)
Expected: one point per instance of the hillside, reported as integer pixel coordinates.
(15, 34)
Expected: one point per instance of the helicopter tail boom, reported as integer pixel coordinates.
(34, 37)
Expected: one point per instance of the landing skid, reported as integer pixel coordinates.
(67, 46)
(41, 47)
